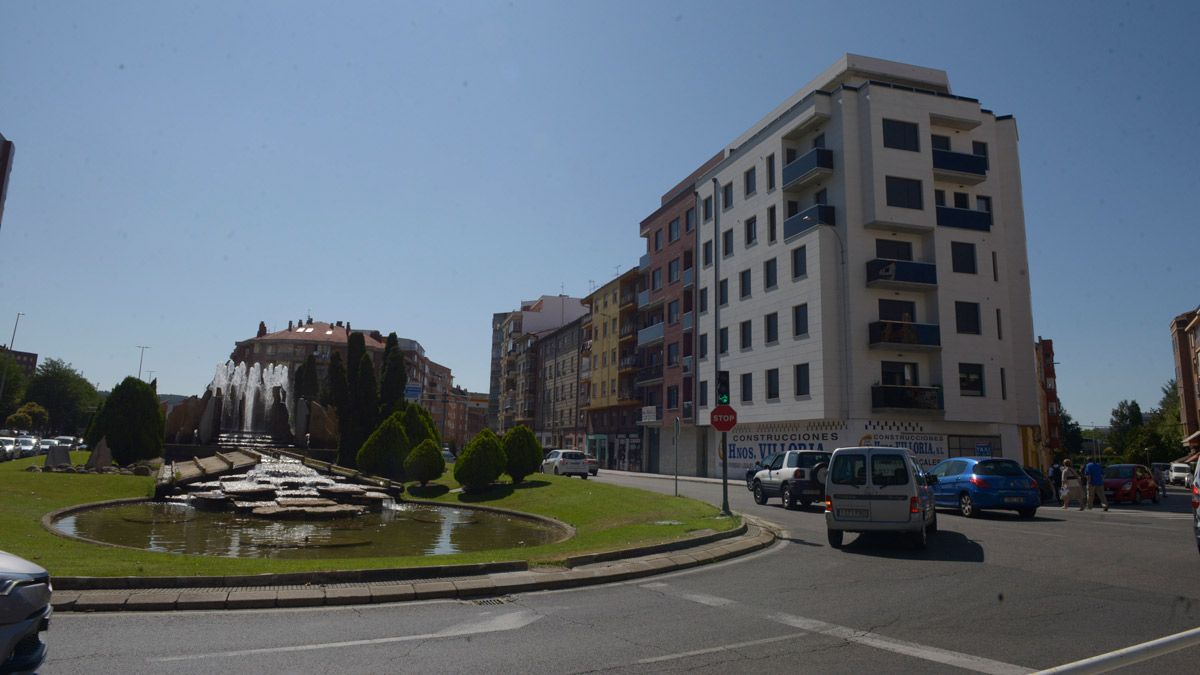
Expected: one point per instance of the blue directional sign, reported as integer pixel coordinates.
(412, 392)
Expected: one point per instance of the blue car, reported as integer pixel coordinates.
(972, 484)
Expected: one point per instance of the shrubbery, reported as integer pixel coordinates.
(385, 450)
(424, 463)
(523, 453)
(480, 463)
(132, 421)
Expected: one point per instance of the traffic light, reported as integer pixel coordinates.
(722, 387)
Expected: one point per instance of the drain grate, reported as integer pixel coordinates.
(494, 601)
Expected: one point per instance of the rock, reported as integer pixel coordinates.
(250, 492)
(209, 501)
(101, 456)
(293, 502)
(322, 426)
(67, 469)
(184, 419)
(33, 469)
(308, 513)
(125, 472)
(57, 456)
(141, 470)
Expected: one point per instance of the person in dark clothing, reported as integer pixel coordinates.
(1056, 478)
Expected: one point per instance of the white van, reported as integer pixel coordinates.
(1179, 474)
(878, 490)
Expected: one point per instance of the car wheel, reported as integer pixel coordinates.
(760, 497)
(966, 506)
(583, 475)
(1027, 513)
(789, 500)
(556, 471)
(835, 538)
(920, 538)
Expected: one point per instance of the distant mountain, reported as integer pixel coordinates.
(171, 399)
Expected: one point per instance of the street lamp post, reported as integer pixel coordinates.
(4, 373)
(140, 357)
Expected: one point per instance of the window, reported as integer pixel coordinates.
(939, 197)
(672, 397)
(723, 292)
(703, 345)
(726, 196)
(673, 231)
(939, 142)
(727, 243)
(979, 148)
(901, 135)
(962, 200)
(799, 262)
(983, 203)
(723, 341)
(656, 279)
(904, 192)
(658, 240)
(747, 387)
(747, 331)
(800, 377)
(800, 320)
(703, 300)
(673, 311)
(690, 220)
(773, 384)
(771, 225)
(970, 379)
(899, 374)
(821, 197)
(770, 274)
(892, 249)
(771, 327)
(707, 254)
(751, 227)
(966, 317)
(744, 284)
(962, 256)
(999, 332)
(888, 470)
(673, 354)
(770, 172)
(849, 470)
(819, 141)
(703, 391)
(750, 181)
(673, 271)
(708, 209)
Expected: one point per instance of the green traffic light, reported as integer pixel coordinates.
(723, 399)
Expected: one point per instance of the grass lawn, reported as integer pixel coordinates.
(604, 516)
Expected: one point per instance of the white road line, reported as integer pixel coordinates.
(935, 654)
(503, 622)
(722, 648)
(1130, 655)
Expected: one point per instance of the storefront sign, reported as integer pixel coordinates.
(749, 443)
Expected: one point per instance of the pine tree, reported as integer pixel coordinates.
(356, 346)
(366, 397)
(338, 387)
(523, 453)
(395, 376)
(385, 450)
(308, 384)
(417, 426)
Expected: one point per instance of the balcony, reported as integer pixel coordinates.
(628, 298)
(647, 299)
(628, 362)
(649, 374)
(807, 169)
(898, 397)
(627, 331)
(651, 414)
(688, 362)
(965, 219)
(625, 396)
(959, 167)
(688, 320)
(905, 335)
(650, 334)
(587, 346)
(689, 277)
(821, 214)
(903, 275)
(644, 262)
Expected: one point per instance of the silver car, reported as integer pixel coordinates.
(24, 614)
(878, 489)
(566, 463)
(794, 476)
(27, 446)
(8, 448)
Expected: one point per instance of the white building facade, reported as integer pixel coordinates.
(862, 274)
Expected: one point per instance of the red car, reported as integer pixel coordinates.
(1129, 483)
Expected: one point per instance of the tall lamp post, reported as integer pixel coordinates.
(140, 358)
(4, 373)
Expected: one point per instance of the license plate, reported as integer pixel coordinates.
(1014, 500)
(852, 513)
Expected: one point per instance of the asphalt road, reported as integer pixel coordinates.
(994, 594)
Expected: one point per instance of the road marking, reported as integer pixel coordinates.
(935, 654)
(722, 648)
(699, 598)
(1130, 655)
(503, 622)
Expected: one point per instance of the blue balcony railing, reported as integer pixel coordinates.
(960, 162)
(808, 167)
(649, 373)
(688, 321)
(644, 262)
(901, 273)
(906, 398)
(821, 214)
(892, 333)
(650, 334)
(689, 277)
(966, 219)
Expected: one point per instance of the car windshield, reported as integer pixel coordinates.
(995, 467)
(810, 459)
(1119, 472)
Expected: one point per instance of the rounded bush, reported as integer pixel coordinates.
(132, 421)
(424, 463)
(480, 463)
(385, 450)
(523, 453)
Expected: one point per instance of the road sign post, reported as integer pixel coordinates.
(676, 456)
(723, 418)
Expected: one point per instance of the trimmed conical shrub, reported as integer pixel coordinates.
(385, 450)
(523, 453)
(480, 463)
(424, 463)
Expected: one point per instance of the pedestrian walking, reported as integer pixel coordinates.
(1160, 481)
(1056, 478)
(1095, 484)
(1071, 487)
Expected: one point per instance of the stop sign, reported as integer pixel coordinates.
(723, 418)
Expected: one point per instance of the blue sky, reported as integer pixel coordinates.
(186, 170)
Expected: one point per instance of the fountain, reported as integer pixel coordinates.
(249, 405)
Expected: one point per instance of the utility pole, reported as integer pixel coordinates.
(717, 253)
(140, 357)
(4, 373)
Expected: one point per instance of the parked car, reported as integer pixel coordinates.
(566, 463)
(794, 476)
(1129, 483)
(448, 457)
(975, 483)
(46, 445)
(877, 489)
(1045, 485)
(8, 448)
(24, 614)
(70, 441)
(1179, 473)
(27, 446)
(593, 464)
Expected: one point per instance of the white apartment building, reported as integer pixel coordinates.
(862, 260)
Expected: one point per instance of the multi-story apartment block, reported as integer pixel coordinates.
(666, 335)
(1049, 409)
(558, 421)
(862, 273)
(1185, 340)
(516, 387)
(610, 364)
(26, 360)
(477, 414)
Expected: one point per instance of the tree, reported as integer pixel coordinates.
(417, 425)
(428, 417)
(308, 383)
(523, 453)
(480, 463)
(1166, 420)
(394, 377)
(385, 450)
(132, 421)
(1072, 434)
(65, 393)
(424, 463)
(1126, 417)
(18, 420)
(37, 415)
(14, 384)
(337, 386)
(356, 346)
